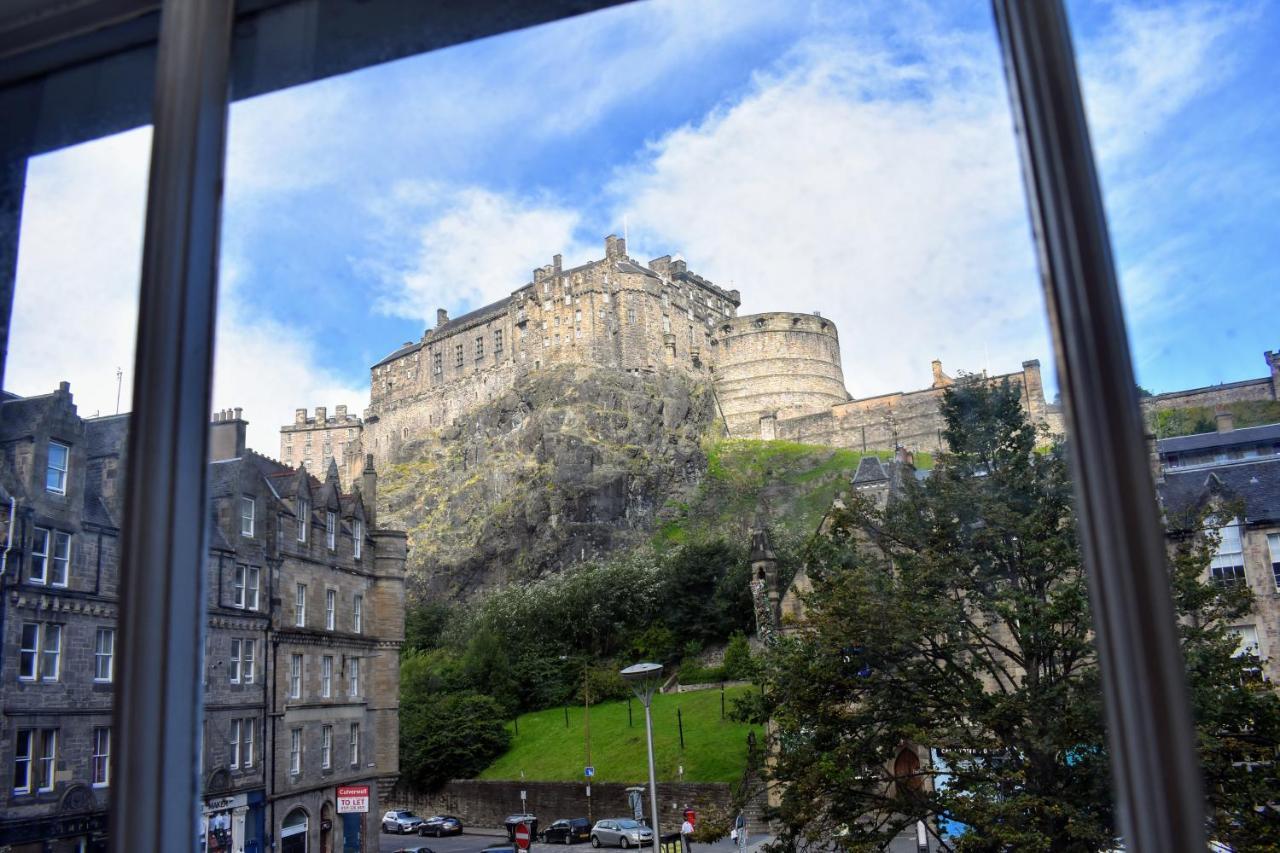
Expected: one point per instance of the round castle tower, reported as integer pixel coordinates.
(776, 365)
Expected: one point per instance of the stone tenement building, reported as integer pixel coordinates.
(305, 619)
(314, 441)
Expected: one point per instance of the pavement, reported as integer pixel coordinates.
(476, 839)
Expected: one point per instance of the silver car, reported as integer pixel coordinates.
(623, 832)
(400, 821)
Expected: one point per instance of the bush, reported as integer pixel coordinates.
(449, 736)
(738, 664)
(702, 674)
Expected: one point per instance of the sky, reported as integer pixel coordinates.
(856, 159)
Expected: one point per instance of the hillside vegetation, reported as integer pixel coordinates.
(1169, 423)
(715, 750)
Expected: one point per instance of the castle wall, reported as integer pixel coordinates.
(610, 313)
(776, 365)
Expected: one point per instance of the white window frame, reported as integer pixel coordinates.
(326, 677)
(247, 518)
(300, 605)
(29, 652)
(100, 762)
(233, 661)
(59, 485)
(331, 529)
(248, 667)
(355, 744)
(1228, 555)
(1273, 545)
(357, 614)
(51, 644)
(295, 752)
(295, 676)
(357, 538)
(60, 563)
(24, 758)
(353, 677)
(233, 741)
(304, 518)
(40, 537)
(247, 756)
(48, 759)
(326, 747)
(330, 609)
(104, 651)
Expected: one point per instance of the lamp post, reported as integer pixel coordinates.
(644, 678)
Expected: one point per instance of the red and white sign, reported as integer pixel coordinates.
(353, 798)
(522, 836)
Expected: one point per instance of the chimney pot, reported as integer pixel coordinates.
(238, 411)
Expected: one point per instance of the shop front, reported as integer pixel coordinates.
(232, 823)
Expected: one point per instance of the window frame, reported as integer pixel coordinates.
(296, 671)
(326, 747)
(354, 743)
(304, 519)
(248, 522)
(50, 468)
(326, 677)
(353, 677)
(299, 605)
(330, 609)
(41, 553)
(357, 613)
(100, 757)
(24, 758)
(108, 655)
(295, 751)
(331, 529)
(357, 538)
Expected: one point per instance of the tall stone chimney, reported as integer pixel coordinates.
(369, 491)
(299, 416)
(615, 247)
(1226, 421)
(340, 412)
(227, 435)
(442, 317)
(322, 415)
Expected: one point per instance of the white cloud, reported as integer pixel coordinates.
(75, 304)
(883, 191)
(474, 248)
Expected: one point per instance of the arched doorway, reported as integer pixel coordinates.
(906, 770)
(326, 828)
(293, 832)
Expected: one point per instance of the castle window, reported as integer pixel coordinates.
(557, 320)
(605, 296)
(666, 324)
(544, 325)
(546, 305)
(577, 316)
(568, 297)
(631, 316)
(546, 342)
(457, 356)
(479, 347)
(497, 344)
(436, 367)
(557, 339)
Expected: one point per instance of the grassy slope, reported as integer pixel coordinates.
(715, 749)
(795, 481)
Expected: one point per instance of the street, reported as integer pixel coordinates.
(476, 840)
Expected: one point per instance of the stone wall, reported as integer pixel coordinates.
(487, 804)
(776, 366)
(1213, 396)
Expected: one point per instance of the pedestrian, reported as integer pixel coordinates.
(686, 835)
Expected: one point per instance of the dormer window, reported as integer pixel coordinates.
(331, 529)
(357, 537)
(246, 516)
(55, 478)
(304, 518)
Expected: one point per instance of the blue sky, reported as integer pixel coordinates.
(856, 159)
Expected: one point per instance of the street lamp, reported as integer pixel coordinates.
(644, 679)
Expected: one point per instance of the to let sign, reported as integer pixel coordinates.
(353, 798)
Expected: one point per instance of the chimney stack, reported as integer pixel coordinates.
(615, 247)
(299, 416)
(340, 412)
(442, 317)
(369, 491)
(1226, 421)
(227, 435)
(322, 415)
(555, 262)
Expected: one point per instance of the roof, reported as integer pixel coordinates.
(1256, 482)
(106, 436)
(1231, 438)
(626, 265)
(453, 325)
(869, 471)
(400, 353)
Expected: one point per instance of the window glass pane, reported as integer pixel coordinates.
(1181, 139)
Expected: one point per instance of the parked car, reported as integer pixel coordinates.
(567, 831)
(400, 820)
(441, 824)
(415, 850)
(623, 832)
(528, 820)
(500, 848)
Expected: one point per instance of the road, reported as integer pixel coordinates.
(473, 842)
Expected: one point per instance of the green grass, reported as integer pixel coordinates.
(715, 750)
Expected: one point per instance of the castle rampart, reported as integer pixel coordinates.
(776, 366)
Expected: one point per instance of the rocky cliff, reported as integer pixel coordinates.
(572, 464)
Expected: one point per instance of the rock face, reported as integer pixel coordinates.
(567, 466)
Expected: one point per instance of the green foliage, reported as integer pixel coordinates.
(1167, 423)
(424, 624)
(544, 749)
(708, 594)
(957, 618)
(738, 663)
(694, 674)
(447, 736)
(656, 643)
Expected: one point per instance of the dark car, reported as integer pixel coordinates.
(528, 820)
(441, 824)
(415, 850)
(500, 848)
(567, 831)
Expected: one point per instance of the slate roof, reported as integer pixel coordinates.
(106, 436)
(870, 470)
(625, 265)
(1256, 482)
(22, 415)
(1207, 440)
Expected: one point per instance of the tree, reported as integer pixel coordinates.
(447, 736)
(946, 672)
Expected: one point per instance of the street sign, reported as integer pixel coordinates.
(353, 798)
(588, 771)
(522, 836)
